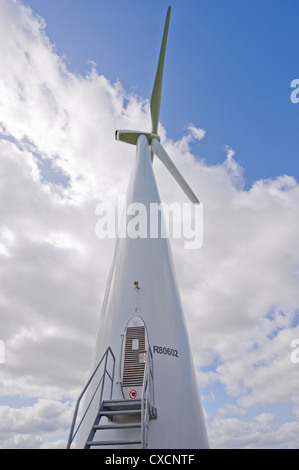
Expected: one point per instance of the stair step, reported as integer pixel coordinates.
(121, 400)
(117, 426)
(111, 405)
(111, 443)
(119, 412)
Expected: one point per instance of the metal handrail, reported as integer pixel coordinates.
(148, 399)
(73, 433)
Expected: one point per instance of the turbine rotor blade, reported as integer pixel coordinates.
(161, 153)
(157, 89)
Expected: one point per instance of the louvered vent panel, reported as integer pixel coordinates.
(134, 369)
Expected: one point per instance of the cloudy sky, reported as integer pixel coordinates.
(70, 74)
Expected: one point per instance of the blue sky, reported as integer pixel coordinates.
(228, 69)
(229, 65)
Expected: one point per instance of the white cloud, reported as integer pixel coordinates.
(196, 132)
(261, 433)
(240, 290)
(35, 427)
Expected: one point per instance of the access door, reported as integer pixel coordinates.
(135, 348)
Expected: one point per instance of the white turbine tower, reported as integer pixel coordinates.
(143, 391)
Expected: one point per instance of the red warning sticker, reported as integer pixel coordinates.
(133, 394)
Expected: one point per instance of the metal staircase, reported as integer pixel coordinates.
(114, 410)
(112, 414)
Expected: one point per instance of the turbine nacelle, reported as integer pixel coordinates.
(131, 137)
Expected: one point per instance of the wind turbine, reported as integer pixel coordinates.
(153, 138)
(142, 391)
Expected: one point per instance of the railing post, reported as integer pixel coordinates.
(147, 403)
(112, 379)
(104, 377)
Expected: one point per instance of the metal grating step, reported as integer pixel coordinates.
(117, 426)
(111, 405)
(119, 412)
(111, 443)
